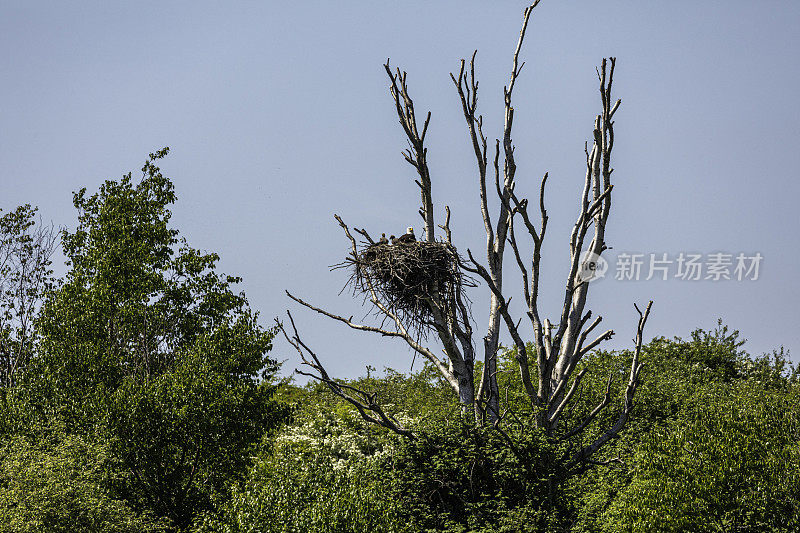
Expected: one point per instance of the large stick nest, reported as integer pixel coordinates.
(412, 279)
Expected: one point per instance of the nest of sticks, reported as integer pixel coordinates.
(412, 279)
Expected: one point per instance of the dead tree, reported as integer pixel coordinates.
(551, 381)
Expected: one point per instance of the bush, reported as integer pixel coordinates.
(731, 462)
(456, 477)
(712, 445)
(325, 474)
(61, 486)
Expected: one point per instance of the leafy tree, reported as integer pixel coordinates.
(144, 343)
(706, 450)
(455, 477)
(728, 463)
(332, 471)
(712, 445)
(61, 486)
(325, 473)
(716, 354)
(25, 278)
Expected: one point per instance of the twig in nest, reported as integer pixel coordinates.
(413, 279)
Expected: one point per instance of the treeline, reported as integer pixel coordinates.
(143, 389)
(138, 394)
(714, 446)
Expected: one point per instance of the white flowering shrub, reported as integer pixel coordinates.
(321, 474)
(339, 436)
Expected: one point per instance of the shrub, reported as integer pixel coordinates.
(61, 486)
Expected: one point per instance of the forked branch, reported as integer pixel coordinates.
(365, 402)
(558, 346)
(586, 452)
(416, 154)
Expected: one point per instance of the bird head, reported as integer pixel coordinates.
(410, 231)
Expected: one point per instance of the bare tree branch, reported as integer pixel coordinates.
(416, 155)
(627, 401)
(364, 402)
(558, 347)
(446, 226)
(26, 249)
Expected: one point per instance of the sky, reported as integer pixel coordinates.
(278, 116)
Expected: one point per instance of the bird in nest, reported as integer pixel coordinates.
(383, 239)
(407, 238)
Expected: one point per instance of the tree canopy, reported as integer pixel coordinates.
(145, 348)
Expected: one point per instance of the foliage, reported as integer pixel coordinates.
(25, 278)
(457, 477)
(417, 394)
(60, 486)
(144, 344)
(190, 431)
(130, 303)
(324, 474)
(729, 463)
(331, 471)
(712, 447)
(716, 354)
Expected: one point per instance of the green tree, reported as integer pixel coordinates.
(330, 470)
(712, 445)
(324, 474)
(61, 486)
(146, 344)
(728, 463)
(25, 278)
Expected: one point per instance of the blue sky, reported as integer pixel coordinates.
(278, 116)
